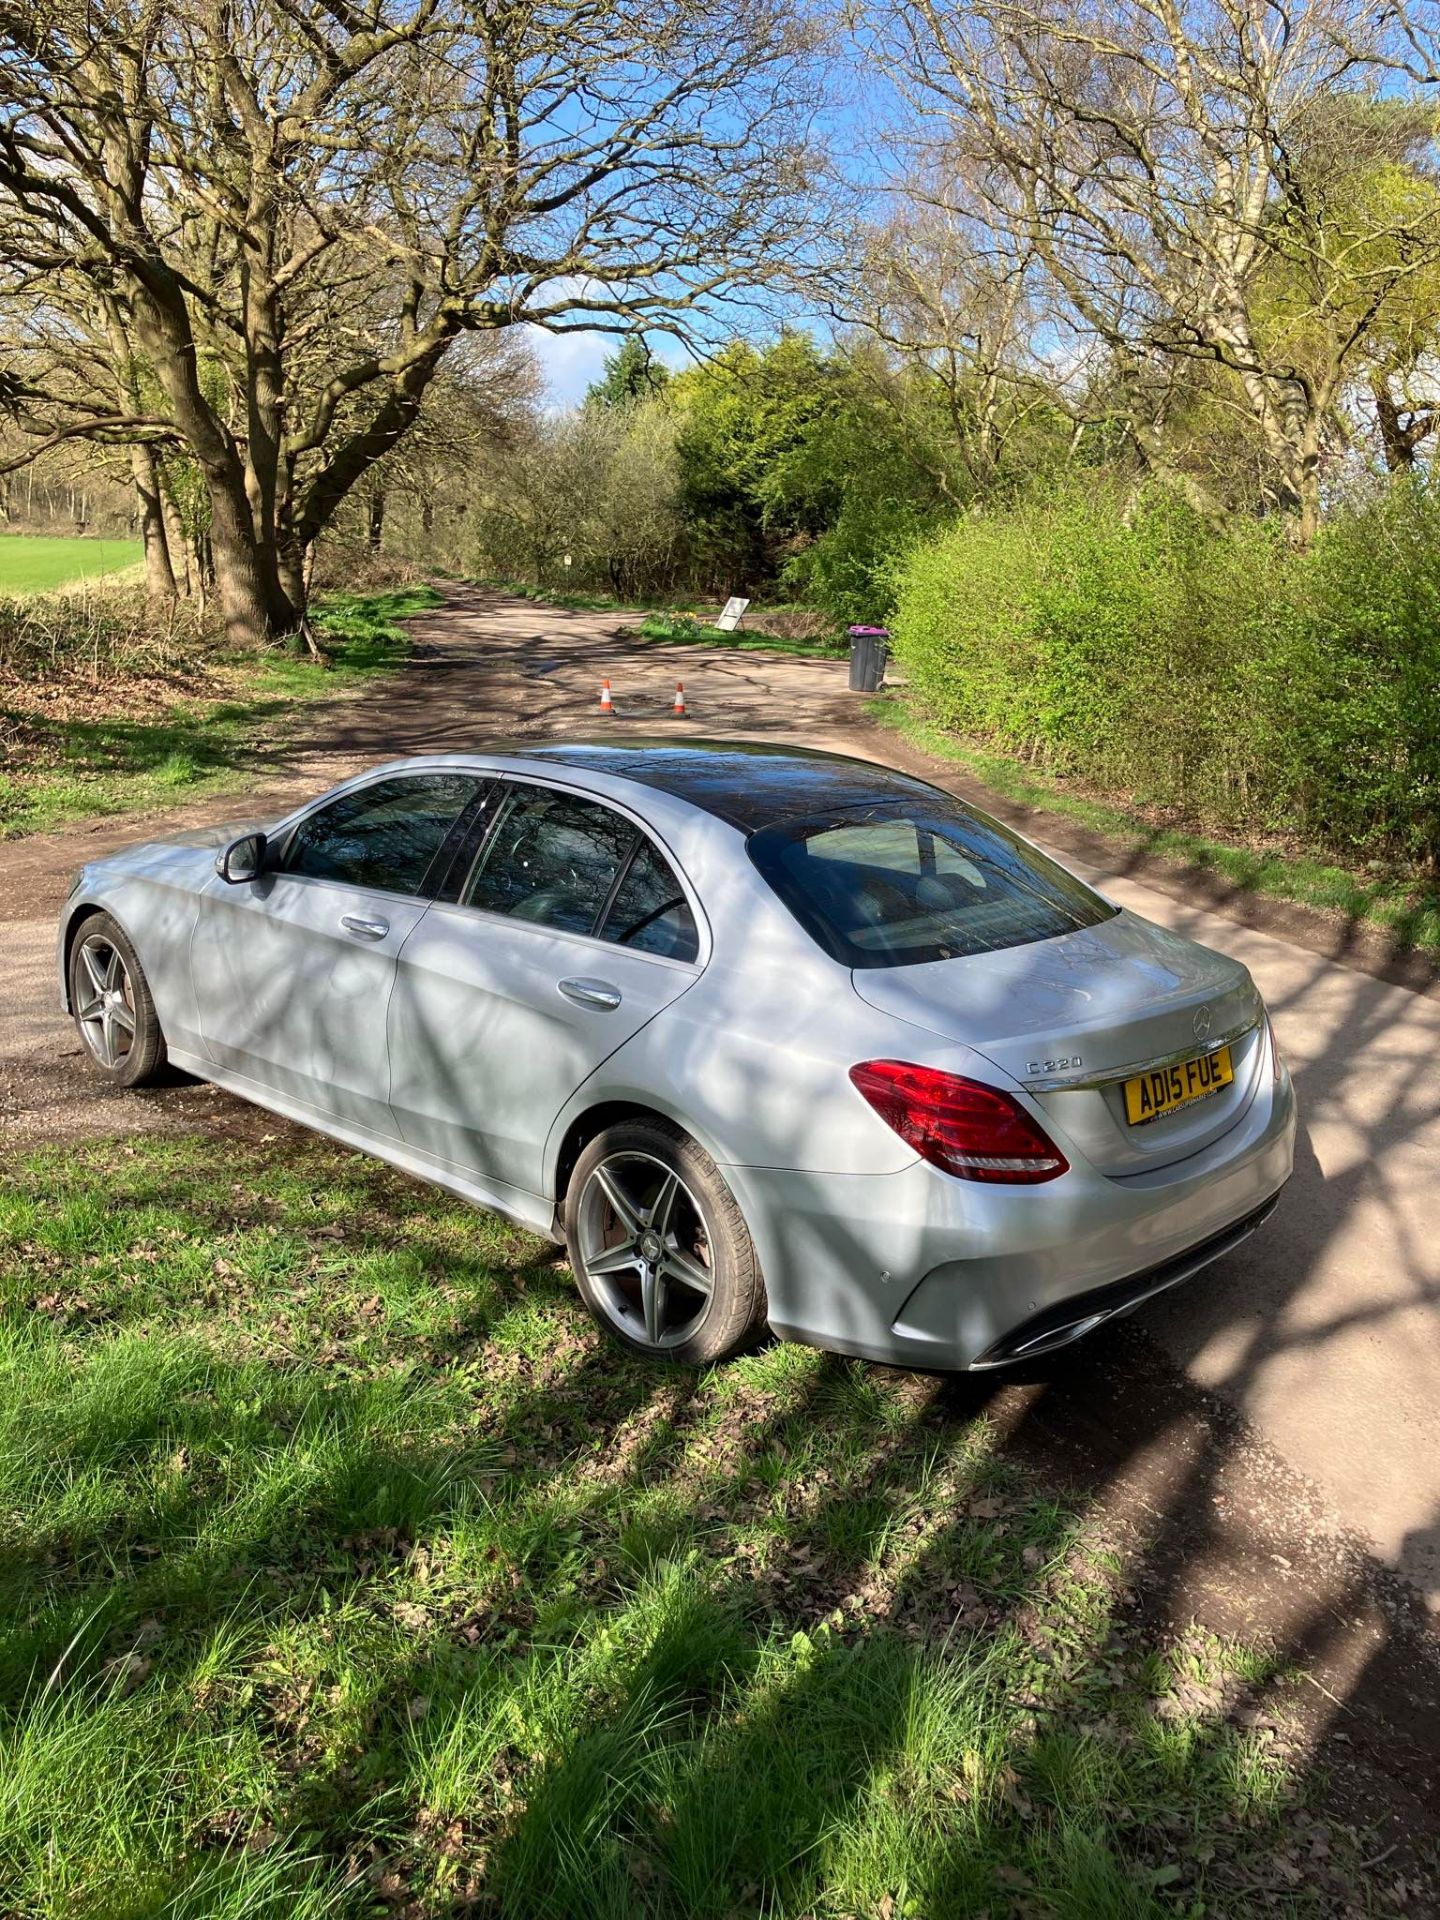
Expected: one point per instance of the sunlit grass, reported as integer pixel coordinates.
(688, 630)
(674, 626)
(349, 1570)
(36, 563)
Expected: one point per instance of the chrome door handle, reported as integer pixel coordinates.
(592, 993)
(367, 929)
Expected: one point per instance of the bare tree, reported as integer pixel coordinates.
(954, 296)
(1153, 156)
(482, 398)
(298, 207)
(591, 496)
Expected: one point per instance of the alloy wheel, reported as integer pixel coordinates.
(646, 1249)
(105, 1001)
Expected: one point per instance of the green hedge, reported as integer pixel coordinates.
(1219, 673)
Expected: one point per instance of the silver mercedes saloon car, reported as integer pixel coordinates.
(767, 1038)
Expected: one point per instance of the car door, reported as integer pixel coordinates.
(569, 931)
(293, 970)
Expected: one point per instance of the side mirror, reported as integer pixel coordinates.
(243, 859)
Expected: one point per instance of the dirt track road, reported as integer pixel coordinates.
(1323, 1331)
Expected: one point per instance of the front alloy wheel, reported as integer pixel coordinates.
(111, 1001)
(659, 1247)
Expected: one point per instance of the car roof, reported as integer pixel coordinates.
(747, 783)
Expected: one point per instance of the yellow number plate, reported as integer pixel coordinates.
(1164, 1089)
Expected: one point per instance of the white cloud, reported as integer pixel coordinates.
(571, 362)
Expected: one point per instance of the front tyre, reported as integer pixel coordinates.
(112, 1007)
(660, 1248)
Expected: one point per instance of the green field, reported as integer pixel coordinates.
(349, 1571)
(32, 563)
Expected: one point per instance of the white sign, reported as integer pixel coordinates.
(732, 616)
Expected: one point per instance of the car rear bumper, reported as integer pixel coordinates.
(919, 1269)
(1082, 1313)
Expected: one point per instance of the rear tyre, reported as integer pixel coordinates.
(111, 1003)
(660, 1248)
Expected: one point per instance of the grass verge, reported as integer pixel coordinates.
(565, 602)
(349, 1572)
(663, 621)
(128, 746)
(1404, 908)
(685, 630)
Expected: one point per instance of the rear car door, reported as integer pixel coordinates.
(293, 971)
(566, 929)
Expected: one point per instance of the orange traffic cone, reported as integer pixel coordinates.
(607, 705)
(679, 707)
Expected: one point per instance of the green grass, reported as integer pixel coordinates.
(34, 563)
(1401, 906)
(348, 1570)
(686, 630)
(565, 602)
(85, 767)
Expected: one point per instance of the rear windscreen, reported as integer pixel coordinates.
(902, 882)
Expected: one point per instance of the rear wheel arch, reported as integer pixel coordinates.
(586, 1127)
(593, 1121)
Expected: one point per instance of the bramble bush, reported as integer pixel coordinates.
(1219, 673)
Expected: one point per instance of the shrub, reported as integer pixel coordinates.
(1216, 672)
(98, 631)
(844, 572)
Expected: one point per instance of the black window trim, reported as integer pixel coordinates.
(450, 860)
(470, 852)
(435, 873)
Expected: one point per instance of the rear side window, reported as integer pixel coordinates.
(552, 858)
(901, 883)
(557, 860)
(383, 836)
(649, 912)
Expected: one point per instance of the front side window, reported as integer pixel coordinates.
(904, 882)
(383, 836)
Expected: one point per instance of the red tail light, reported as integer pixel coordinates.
(973, 1131)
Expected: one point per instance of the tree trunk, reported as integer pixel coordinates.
(239, 578)
(182, 564)
(294, 577)
(1301, 488)
(253, 603)
(268, 472)
(1399, 437)
(375, 525)
(159, 573)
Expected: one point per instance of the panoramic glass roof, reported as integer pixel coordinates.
(748, 784)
